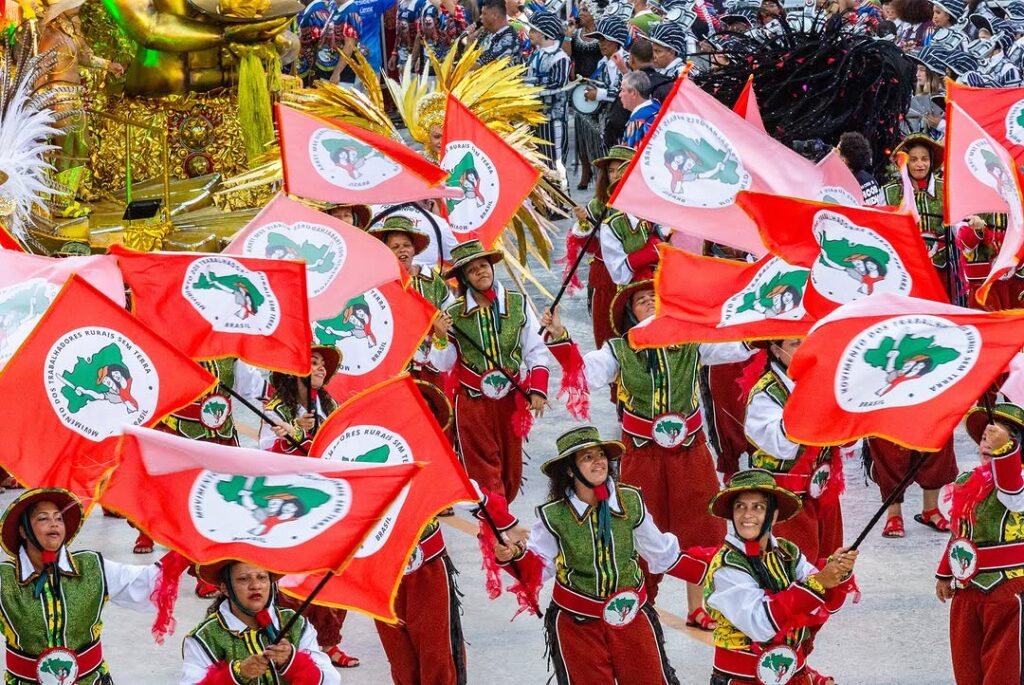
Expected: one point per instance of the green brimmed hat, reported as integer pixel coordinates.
(937, 149)
(211, 572)
(1003, 412)
(754, 480)
(401, 224)
(620, 304)
(618, 153)
(67, 502)
(464, 253)
(578, 439)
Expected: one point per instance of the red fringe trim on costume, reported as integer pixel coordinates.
(218, 674)
(165, 594)
(522, 419)
(573, 247)
(969, 494)
(836, 484)
(491, 569)
(303, 670)
(751, 374)
(527, 588)
(574, 385)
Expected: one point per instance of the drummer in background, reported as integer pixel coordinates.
(585, 54)
(549, 68)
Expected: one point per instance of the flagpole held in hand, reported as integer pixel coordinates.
(916, 464)
(305, 605)
(259, 412)
(576, 264)
(513, 567)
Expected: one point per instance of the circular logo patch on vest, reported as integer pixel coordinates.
(775, 292)
(230, 297)
(777, 666)
(495, 385)
(904, 361)
(214, 411)
(1015, 123)
(690, 162)
(98, 381)
(837, 195)
(362, 332)
(621, 608)
(854, 261)
(348, 162)
(819, 480)
(274, 512)
(963, 559)
(57, 666)
(669, 430)
(319, 246)
(473, 175)
(21, 307)
(369, 444)
(415, 561)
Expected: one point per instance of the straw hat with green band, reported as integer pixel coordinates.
(937, 149)
(68, 504)
(212, 572)
(578, 439)
(464, 253)
(618, 153)
(401, 224)
(1004, 412)
(621, 302)
(754, 480)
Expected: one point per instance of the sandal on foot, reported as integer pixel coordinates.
(934, 519)
(205, 590)
(819, 679)
(894, 528)
(143, 544)
(700, 618)
(340, 658)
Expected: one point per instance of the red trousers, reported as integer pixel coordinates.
(817, 531)
(890, 462)
(677, 485)
(590, 652)
(326, 620)
(426, 646)
(728, 412)
(602, 290)
(490, 450)
(985, 634)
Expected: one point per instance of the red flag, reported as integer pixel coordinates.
(695, 159)
(210, 502)
(29, 283)
(331, 161)
(1000, 111)
(896, 367)
(341, 261)
(9, 242)
(704, 299)
(88, 370)
(852, 252)
(377, 333)
(389, 424)
(492, 178)
(982, 177)
(841, 186)
(213, 306)
(746, 105)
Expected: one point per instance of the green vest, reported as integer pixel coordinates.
(727, 635)
(75, 615)
(584, 563)
(478, 325)
(770, 384)
(930, 224)
(670, 387)
(224, 371)
(222, 644)
(431, 286)
(632, 237)
(993, 524)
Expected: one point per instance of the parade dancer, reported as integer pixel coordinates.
(407, 241)
(763, 592)
(590, 536)
(52, 599)
(549, 68)
(239, 640)
(982, 569)
(629, 245)
(491, 416)
(666, 452)
(299, 405)
(669, 41)
(612, 37)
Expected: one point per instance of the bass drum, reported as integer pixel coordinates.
(579, 100)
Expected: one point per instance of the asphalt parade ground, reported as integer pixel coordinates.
(896, 634)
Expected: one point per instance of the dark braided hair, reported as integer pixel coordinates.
(819, 83)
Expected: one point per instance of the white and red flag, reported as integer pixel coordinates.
(1000, 111)
(746, 105)
(282, 513)
(341, 260)
(898, 368)
(840, 187)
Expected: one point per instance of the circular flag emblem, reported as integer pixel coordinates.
(777, 666)
(366, 444)
(21, 307)
(214, 411)
(904, 361)
(415, 561)
(1015, 123)
(274, 512)
(621, 608)
(837, 195)
(669, 430)
(57, 666)
(362, 332)
(99, 381)
(494, 384)
(347, 162)
(987, 167)
(775, 292)
(854, 261)
(472, 173)
(230, 297)
(690, 162)
(819, 480)
(321, 247)
(963, 559)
